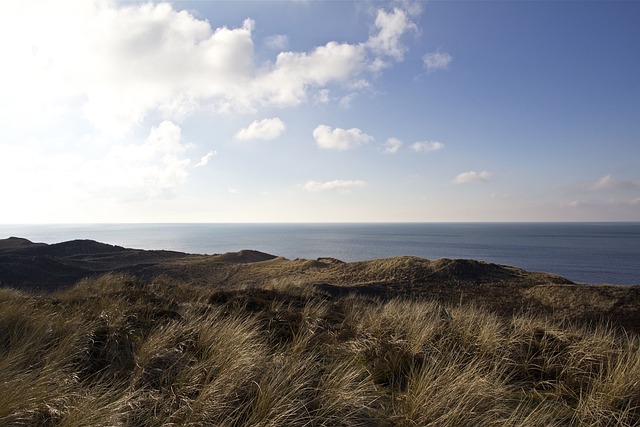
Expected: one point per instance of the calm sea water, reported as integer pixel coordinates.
(582, 252)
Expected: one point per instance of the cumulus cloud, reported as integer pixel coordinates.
(119, 62)
(609, 182)
(472, 176)
(287, 82)
(339, 139)
(392, 145)
(158, 164)
(150, 169)
(338, 184)
(391, 27)
(115, 79)
(205, 159)
(427, 146)
(266, 129)
(114, 63)
(435, 61)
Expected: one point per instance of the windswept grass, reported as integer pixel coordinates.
(114, 351)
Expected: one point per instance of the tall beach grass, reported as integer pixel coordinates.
(115, 351)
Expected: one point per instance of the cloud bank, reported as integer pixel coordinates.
(116, 82)
(118, 62)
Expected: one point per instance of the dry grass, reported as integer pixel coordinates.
(114, 351)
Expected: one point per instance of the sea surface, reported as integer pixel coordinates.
(582, 252)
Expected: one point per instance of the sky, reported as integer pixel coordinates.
(319, 111)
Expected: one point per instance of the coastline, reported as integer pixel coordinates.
(584, 252)
(158, 336)
(500, 288)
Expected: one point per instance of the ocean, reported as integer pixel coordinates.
(582, 252)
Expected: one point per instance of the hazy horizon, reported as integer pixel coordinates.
(124, 112)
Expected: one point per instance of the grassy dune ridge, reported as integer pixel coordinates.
(117, 350)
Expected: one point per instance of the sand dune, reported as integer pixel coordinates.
(502, 289)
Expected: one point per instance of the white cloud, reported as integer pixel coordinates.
(119, 62)
(345, 101)
(96, 172)
(266, 129)
(339, 139)
(277, 42)
(147, 170)
(98, 75)
(360, 84)
(472, 176)
(608, 182)
(391, 27)
(427, 146)
(338, 184)
(635, 202)
(392, 145)
(287, 82)
(322, 97)
(437, 61)
(233, 190)
(412, 7)
(157, 165)
(205, 159)
(113, 63)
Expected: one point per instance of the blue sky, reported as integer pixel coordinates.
(314, 111)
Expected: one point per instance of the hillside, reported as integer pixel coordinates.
(502, 289)
(39, 266)
(118, 351)
(128, 337)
